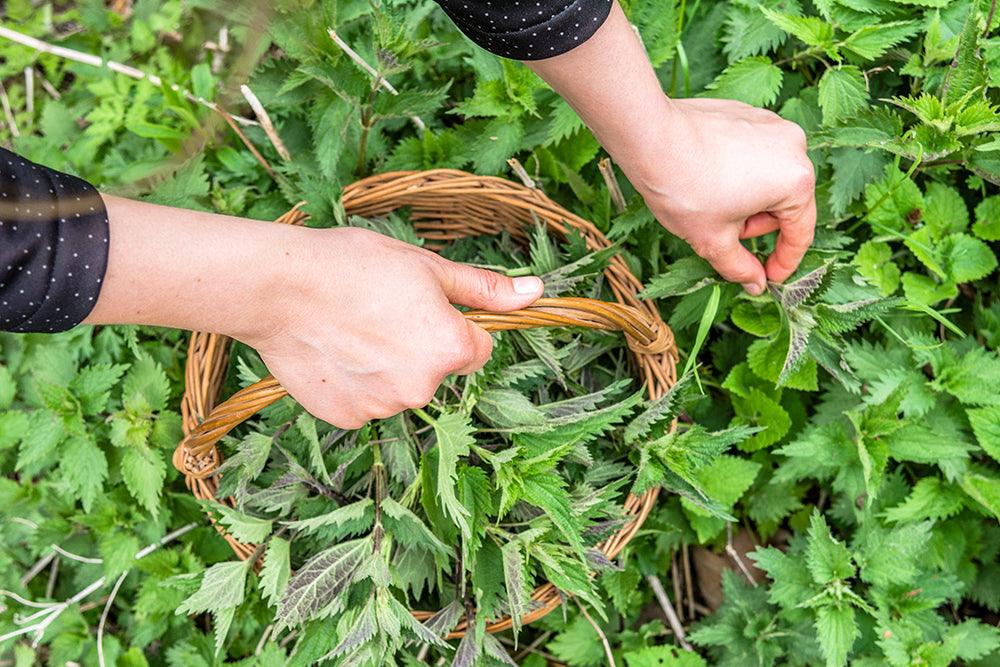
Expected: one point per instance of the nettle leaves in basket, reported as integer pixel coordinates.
(512, 477)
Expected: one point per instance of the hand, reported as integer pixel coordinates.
(368, 330)
(718, 171)
(355, 325)
(712, 171)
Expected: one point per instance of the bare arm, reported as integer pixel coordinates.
(355, 325)
(712, 171)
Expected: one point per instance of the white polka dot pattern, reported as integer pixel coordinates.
(527, 29)
(53, 247)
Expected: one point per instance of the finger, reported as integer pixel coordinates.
(481, 345)
(736, 264)
(758, 225)
(794, 237)
(478, 288)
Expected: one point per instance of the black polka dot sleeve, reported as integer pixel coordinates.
(527, 29)
(53, 247)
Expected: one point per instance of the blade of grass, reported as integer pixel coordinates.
(707, 318)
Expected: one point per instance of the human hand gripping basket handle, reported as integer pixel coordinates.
(197, 457)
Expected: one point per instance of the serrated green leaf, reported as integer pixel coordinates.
(518, 591)
(358, 515)
(275, 573)
(146, 379)
(84, 467)
(759, 319)
(828, 559)
(507, 408)
(870, 42)
(983, 489)
(842, 93)
(760, 410)
(754, 80)
(664, 656)
(987, 225)
(321, 580)
(945, 211)
(874, 262)
(143, 471)
(222, 587)
(836, 630)
(929, 499)
(454, 437)
(966, 258)
(408, 528)
(812, 30)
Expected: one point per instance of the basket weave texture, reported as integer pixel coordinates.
(444, 205)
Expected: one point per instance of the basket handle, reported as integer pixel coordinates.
(197, 457)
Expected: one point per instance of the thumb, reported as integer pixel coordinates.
(478, 288)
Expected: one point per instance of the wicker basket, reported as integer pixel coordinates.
(444, 205)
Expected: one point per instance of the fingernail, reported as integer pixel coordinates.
(753, 288)
(526, 284)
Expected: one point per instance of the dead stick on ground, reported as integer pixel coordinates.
(95, 61)
(265, 122)
(608, 172)
(675, 575)
(731, 551)
(246, 142)
(688, 582)
(600, 633)
(548, 657)
(8, 112)
(668, 609)
(353, 55)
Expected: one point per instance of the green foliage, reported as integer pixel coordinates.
(849, 418)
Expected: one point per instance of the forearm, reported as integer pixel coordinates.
(190, 270)
(610, 83)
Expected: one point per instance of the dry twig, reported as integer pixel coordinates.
(8, 112)
(95, 61)
(608, 172)
(521, 173)
(668, 609)
(600, 633)
(353, 55)
(265, 122)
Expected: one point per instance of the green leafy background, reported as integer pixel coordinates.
(847, 421)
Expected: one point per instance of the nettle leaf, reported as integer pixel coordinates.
(507, 408)
(930, 499)
(454, 437)
(974, 639)
(143, 471)
(277, 570)
(767, 361)
(812, 30)
(836, 630)
(356, 517)
(365, 627)
(656, 411)
(321, 581)
(966, 258)
(243, 527)
(758, 318)
(664, 656)
(828, 559)
(147, 379)
(798, 340)
(518, 590)
(762, 411)
(987, 225)
(747, 32)
(684, 276)
(985, 424)
(870, 42)
(887, 557)
(791, 295)
(842, 93)
(548, 493)
(968, 71)
(891, 200)
(409, 529)
(91, 386)
(874, 262)
(754, 80)
(984, 489)
(945, 211)
(84, 467)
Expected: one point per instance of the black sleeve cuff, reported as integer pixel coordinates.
(53, 247)
(527, 29)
